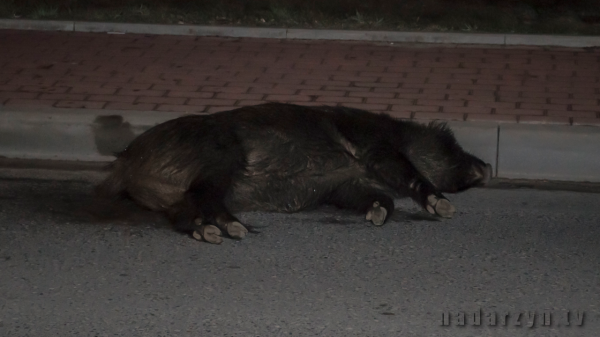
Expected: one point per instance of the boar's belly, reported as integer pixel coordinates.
(286, 194)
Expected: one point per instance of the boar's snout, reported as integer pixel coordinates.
(483, 174)
(487, 174)
(477, 174)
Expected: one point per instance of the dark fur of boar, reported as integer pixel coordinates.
(287, 158)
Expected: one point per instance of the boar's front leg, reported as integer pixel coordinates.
(398, 172)
(377, 206)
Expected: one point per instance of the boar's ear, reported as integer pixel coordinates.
(442, 130)
(439, 126)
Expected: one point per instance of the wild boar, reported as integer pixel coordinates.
(286, 158)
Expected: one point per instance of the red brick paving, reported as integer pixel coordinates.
(206, 75)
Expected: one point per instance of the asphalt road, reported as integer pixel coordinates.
(70, 269)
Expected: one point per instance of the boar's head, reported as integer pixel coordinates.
(437, 155)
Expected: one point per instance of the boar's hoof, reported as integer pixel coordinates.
(208, 233)
(377, 214)
(440, 206)
(236, 230)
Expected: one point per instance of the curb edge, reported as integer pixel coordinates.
(306, 34)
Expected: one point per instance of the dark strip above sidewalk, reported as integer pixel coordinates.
(307, 34)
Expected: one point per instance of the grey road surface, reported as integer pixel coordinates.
(70, 266)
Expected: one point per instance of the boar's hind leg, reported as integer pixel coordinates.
(377, 206)
(210, 201)
(400, 174)
(186, 216)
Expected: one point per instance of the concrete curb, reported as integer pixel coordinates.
(553, 152)
(307, 34)
(72, 134)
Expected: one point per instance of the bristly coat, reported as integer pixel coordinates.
(287, 158)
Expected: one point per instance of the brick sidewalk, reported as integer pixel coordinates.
(176, 73)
